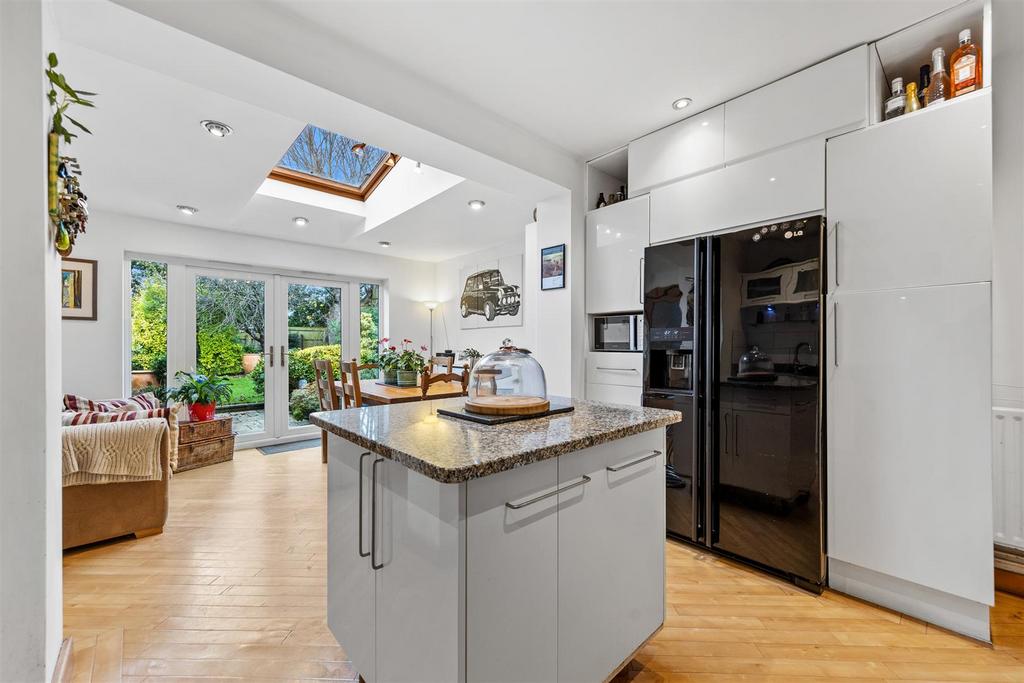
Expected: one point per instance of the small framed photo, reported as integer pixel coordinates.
(78, 289)
(552, 267)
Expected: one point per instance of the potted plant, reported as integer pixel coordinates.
(470, 354)
(388, 361)
(410, 364)
(201, 393)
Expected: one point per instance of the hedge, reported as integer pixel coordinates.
(300, 365)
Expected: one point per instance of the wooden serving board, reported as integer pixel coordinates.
(507, 405)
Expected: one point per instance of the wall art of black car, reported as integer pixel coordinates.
(487, 294)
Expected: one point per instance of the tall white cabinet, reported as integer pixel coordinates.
(616, 238)
(909, 364)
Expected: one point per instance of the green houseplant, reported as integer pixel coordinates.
(470, 354)
(401, 365)
(201, 393)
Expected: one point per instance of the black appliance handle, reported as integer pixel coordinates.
(641, 279)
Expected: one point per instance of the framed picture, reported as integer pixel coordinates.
(491, 293)
(78, 289)
(552, 267)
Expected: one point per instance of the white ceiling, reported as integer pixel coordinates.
(590, 76)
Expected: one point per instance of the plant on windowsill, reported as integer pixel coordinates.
(401, 365)
(201, 393)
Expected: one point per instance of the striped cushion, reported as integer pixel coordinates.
(79, 404)
(70, 417)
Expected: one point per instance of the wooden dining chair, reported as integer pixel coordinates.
(446, 362)
(328, 394)
(351, 394)
(427, 378)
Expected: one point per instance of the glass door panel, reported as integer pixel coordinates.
(313, 328)
(231, 338)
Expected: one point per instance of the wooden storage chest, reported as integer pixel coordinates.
(205, 443)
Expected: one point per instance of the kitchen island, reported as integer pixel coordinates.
(531, 551)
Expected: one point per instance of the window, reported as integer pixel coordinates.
(369, 327)
(330, 162)
(149, 327)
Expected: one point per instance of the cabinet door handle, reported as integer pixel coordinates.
(641, 279)
(373, 515)
(835, 333)
(644, 458)
(361, 458)
(536, 499)
(726, 439)
(616, 369)
(736, 433)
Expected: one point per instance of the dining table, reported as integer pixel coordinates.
(376, 392)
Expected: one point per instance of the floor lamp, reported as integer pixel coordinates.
(431, 305)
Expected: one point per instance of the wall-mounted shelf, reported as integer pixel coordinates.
(606, 174)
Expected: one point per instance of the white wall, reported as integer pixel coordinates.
(30, 364)
(94, 353)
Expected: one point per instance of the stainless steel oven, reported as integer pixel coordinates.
(618, 332)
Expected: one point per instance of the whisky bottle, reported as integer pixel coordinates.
(913, 101)
(924, 77)
(897, 102)
(965, 66)
(600, 200)
(938, 89)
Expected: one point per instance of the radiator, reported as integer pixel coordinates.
(1008, 476)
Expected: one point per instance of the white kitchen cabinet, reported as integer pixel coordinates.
(613, 393)
(693, 145)
(351, 604)
(786, 182)
(910, 200)
(619, 368)
(607, 595)
(511, 578)
(909, 443)
(616, 238)
(823, 100)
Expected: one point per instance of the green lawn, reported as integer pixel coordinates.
(243, 391)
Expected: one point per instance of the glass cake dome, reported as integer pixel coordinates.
(509, 379)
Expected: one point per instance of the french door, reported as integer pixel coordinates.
(262, 332)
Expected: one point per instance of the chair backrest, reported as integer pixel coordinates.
(352, 395)
(428, 378)
(445, 362)
(325, 385)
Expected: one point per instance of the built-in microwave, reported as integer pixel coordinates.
(619, 332)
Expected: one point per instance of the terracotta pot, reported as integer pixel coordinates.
(143, 378)
(201, 412)
(250, 361)
(407, 378)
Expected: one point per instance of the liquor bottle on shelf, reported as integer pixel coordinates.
(600, 200)
(965, 66)
(924, 77)
(913, 101)
(897, 102)
(938, 89)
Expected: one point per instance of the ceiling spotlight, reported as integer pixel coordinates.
(705, 123)
(681, 103)
(187, 210)
(359, 149)
(772, 179)
(384, 244)
(418, 168)
(216, 128)
(477, 204)
(300, 221)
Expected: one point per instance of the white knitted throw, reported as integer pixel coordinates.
(114, 452)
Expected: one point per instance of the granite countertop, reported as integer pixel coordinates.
(450, 450)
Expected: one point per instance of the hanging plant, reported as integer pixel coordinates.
(68, 205)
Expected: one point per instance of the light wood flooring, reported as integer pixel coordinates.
(234, 589)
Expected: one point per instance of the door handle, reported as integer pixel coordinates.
(373, 515)
(361, 458)
(726, 419)
(736, 433)
(283, 356)
(835, 266)
(598, 367)
(641, 279)
(835, 333)
(269, 353)
(536, 499)
(625, 465)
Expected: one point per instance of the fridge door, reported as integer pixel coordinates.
(682, 471)
(764, 450)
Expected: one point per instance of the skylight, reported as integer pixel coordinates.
(331, 162)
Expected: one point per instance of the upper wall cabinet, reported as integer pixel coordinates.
(910, 200)
(682, 149)
(783, 183)
(824, 100)
(616, 238)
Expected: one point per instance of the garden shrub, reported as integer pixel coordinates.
(149, 325)
(300, 366)
(220, 352)
(259, 376)
(303, 402)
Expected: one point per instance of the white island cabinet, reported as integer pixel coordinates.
(525, 552)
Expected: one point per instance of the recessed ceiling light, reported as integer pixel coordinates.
(477, 204)
(705, 123)
(188, 210)
(418, 168)
(772, 179)
(216, 128)
(681, 103)
(384, 244)
(300, 221)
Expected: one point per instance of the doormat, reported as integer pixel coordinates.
(286, 447)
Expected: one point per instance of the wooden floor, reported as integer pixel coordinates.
(234, 589)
